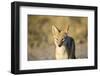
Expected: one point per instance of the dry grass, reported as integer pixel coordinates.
(40, 40)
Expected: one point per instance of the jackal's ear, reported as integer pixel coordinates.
(67, 29)
(55, 30)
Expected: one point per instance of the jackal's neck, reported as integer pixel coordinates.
(62, 48)
(61, 52)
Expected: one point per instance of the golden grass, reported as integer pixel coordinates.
(40, 33)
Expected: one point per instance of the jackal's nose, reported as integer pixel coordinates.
(60, 44)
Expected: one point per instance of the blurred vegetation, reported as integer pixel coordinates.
(40, 29)
(40, 32)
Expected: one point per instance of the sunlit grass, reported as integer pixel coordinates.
(40, 32)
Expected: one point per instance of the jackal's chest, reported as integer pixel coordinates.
(61, 53)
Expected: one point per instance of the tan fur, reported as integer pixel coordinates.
(61, 52)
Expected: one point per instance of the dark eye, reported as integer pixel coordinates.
(56, 39)
(63, 39)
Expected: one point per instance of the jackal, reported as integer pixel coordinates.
(65, 45)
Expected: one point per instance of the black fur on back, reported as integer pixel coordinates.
(70, 45)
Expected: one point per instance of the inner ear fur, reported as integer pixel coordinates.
(66, 29)
(55, 30)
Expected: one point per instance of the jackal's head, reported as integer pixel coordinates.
(59, 36)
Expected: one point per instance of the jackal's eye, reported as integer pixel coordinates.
(56, 39)
(63, 39)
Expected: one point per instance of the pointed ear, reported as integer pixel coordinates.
(67, 29)
(55, 30)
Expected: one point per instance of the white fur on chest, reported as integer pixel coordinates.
(61, 53)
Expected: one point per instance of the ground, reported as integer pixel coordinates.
(49, 53)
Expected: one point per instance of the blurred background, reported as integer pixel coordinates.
(40, 39)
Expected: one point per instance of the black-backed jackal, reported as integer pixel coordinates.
(65, 45)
